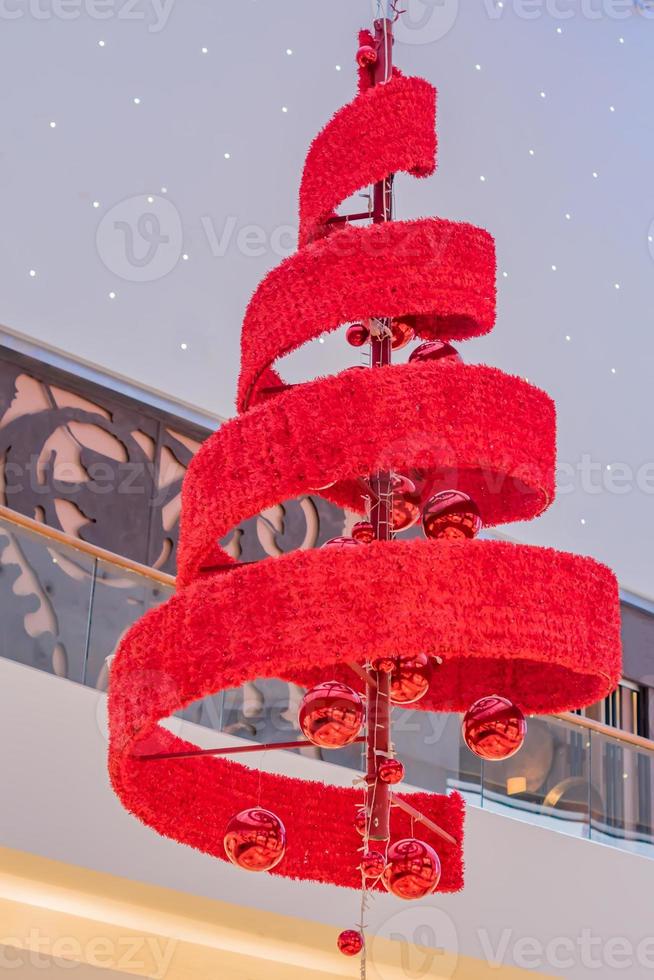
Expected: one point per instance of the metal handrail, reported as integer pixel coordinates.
(163, 578)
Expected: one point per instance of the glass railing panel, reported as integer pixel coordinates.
(622, 797)
(434, 754)
(548, 781)
(45, 591)
(120, 597)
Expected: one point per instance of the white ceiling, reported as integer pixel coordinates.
(196, 107)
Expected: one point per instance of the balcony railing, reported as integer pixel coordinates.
(66, 605)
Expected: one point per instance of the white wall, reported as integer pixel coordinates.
(522, 882)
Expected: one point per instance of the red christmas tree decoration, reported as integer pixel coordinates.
(455, 619)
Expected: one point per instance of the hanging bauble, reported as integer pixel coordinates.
(366, 56)
(361, 821)
(410, 679)
(390, 771)
(436, 350)
(406, 503)
(494, 728)
(413, 869)
(350, 942)
(341, 542)
(402, 334)
(373, 864)
(357, 334)
(255, 840)
(331, 715)
(363, 532)
(385, 665)
(451, 514)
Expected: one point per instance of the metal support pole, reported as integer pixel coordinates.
(379, 723)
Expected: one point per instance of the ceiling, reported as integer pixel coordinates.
(190, 97)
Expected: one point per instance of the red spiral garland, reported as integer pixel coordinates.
(534, 625)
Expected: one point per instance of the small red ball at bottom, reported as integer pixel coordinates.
(350, 942)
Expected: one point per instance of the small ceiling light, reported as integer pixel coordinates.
(289, 50)
(227, 156)
(96, 204)
(32, 273)
(185, 257)
(137, 101)
(100, 44)
(112, 295)
(184, 346)
(53, 125)
(284, 108)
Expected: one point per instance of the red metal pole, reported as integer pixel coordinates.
(379, 724)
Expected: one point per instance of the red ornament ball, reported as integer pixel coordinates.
(413, 869)
(366, 56)
(373, 864)
(494, 728)
(363, 532)
(410, 679)
(452, 515)
(350, 942)
(361, 820)
(357, 335)
(406, 503)
(341, 542)
(402, 334)
(331, 715)
(436, 350)
(390, 771)
(255, 840)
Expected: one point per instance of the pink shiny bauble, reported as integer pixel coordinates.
(350, 942)
(341, 542)
(451, 514)
(410, 679)
(494, 728)
(406, 503)
(366, 56)
(360, 820)
(357, 334)
(373, 864)
(390, 771)
(331, 715)
(436, 350)
(413, 869)
(363, 532)
(402, 334)
(255, 840)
